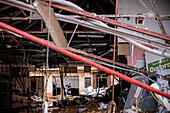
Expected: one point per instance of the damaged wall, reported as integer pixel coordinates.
(77, 79)
(136, 8)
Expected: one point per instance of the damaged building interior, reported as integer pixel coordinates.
(91, 56)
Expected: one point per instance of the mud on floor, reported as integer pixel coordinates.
(75, 109)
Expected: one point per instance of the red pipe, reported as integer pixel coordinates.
(82, 59)
(111, 21)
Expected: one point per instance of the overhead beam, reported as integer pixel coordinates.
(158, 17)
(4, 8)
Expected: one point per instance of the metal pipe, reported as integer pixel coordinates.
(89, 25)
(19, 18)
(142, 39)
(107, 30)
(114, 51)
(163, 17)
(82, 59)
(19, 4)
(111, 21)
(158, 17)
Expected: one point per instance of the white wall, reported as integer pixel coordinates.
(134, 7)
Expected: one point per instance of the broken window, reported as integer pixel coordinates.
(139, 20)
(87, 68)
(101, 81)
(70, 69)
(87, 82)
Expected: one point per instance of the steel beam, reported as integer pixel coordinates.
(82, 59)
(158, 17)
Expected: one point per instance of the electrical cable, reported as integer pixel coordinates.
(160, 71)
(49, 25)
(100, 62)
(106, 64)
(160, 67)
(145, 6)
(72, 35)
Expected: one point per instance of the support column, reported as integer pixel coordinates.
(113, 104)
(62, 81)
(109, 78)
(49, 90)
(94, 79)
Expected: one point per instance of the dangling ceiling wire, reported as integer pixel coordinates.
(48, 48)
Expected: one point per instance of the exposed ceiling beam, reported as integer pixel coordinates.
(4, 8)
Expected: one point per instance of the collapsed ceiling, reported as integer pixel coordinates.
(85, 39)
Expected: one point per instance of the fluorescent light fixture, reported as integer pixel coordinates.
(92, 36)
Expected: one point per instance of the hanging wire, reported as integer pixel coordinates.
(144, 5)
(104, 63)
(72, 35)
(160, 67)
(48, 48)
(160, 72)
(112, 2)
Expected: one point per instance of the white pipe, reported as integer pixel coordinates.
(45, 106)
(154, 51)
(19, 4)
(67, 3)
(70, 4)
(144, 39)
(96, 22)
(132, 55)
(110, 31)
(84, 23)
